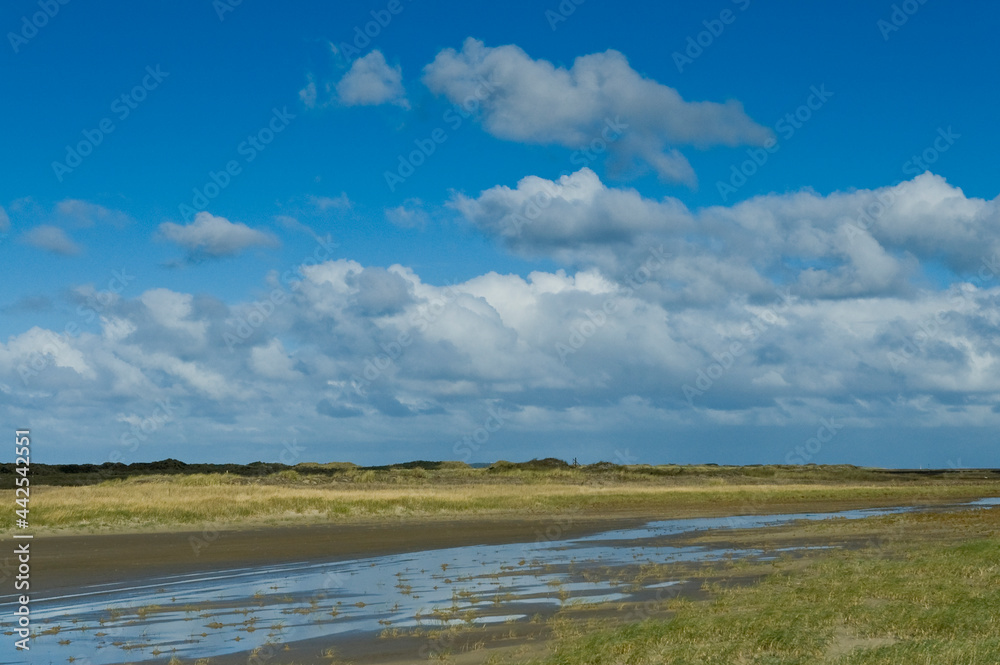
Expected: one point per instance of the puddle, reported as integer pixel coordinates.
(229, 611)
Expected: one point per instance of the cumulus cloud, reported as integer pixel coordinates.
(575, 210)
(273, 362)
(370, 81)
(173, 310)
(533, 101)
(846, 244)
(51, 239)
(215, 237)
(775, 312)
(553, 351)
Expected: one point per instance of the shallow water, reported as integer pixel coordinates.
(228, 611)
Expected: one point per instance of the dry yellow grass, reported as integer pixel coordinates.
(161, 502)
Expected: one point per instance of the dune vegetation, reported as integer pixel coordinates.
(309, 493)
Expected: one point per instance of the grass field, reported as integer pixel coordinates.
(929, 594)
(304, 495)
(905, 588)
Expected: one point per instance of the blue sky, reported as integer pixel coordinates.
(602, 203)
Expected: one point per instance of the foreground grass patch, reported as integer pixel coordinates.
(907, 603)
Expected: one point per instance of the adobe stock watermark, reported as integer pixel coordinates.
(291, 452)
(583, 331)
(94, 306)
(562, 12)
(269, 649)
(30, 25)
(724, 361)
(472, 442)
(377, 364)
(441, 643)
(243, 327)
(933, 327)
(248, 149)
(364, 34)
(611, 132)
(121, 108)
(407, 164)
(871, 212)
(898, 17)
(786, 128)
(223, 7)
(943, 142)
(141, 428)
(696, 45)
(625, 457)
(805, 453)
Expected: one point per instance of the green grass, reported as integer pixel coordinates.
(911, 602)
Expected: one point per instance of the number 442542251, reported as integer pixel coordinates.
(22, 450)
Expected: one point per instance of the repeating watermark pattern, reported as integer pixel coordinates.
(241, 328)
(898, 17)
(454, 117)
(223, 7)
(248, 149)
(825, 433)
(121, 108)
(582, 331)
(562, 12)
(96, 304)
(696, 45)
(625, 457)
(441, 643)
(917, 164)
(377, 364)
(934, 326)
(873, 210)
(291, 453)
(611, 132)
(472, 442)
(141, 428)
(364, 33)
(725, 360)
(30, 25)
(786, 128)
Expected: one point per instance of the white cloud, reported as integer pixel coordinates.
(213, 236)
(308, 94)
(820, 246)
(574, 210)
(533, 101)
(324, 203)
(273, 362)
(410, 215)
(173, 310)
(601, 347)
(371, 81)
(51, 239)
(85, 214)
